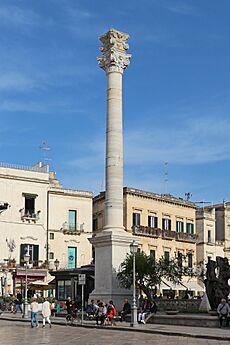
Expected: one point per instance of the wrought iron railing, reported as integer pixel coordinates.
(141, 230)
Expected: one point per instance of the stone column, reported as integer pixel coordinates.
(112, 244)
(114, 61)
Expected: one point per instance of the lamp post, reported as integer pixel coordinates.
(56, 264)
(133, 250)
(26, 260)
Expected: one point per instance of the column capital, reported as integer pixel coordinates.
(114, 51)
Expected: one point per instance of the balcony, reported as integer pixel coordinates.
(29, 215)
(168, 234)
(68, 229)
(146, 231)
(181, 236)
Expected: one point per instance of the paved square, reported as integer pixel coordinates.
(20, 333)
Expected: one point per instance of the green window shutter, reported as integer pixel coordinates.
(187, 227)
(22, 252)
(155, 222)
(192, 228)
(177, 226)
(182, 226)
(36, 254)
(149, 221)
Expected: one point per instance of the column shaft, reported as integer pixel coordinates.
(114, 153)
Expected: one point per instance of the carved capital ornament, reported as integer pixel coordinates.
(114, 51)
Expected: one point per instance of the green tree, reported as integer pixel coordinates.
(150, 272)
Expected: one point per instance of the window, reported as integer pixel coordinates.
(180, 259)
(72, 220)
(72, 257)
(51, 236)
(32, 250)
(29, 205)
(61, 290)
(64, 289)
(152, 221)
(51, 256)
(136, 219)
(209, 236)
(190, 228)
(95, 224)
(153, 254)
(166, 256)
(190, 259)
(179, 226)
(166, 224)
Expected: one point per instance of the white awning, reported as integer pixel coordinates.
(167, 285)
(193, 286)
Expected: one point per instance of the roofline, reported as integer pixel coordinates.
(162, 197)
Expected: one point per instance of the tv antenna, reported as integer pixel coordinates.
(188, 196)
(45, 148)
(166, 177)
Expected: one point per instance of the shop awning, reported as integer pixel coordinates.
(194, 286)
(167, 285)
(41, 285)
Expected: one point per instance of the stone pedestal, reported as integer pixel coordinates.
(112, 244)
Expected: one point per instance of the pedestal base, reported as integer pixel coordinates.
(111, 248)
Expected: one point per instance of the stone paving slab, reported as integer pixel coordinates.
(15, 333)
(169, 330)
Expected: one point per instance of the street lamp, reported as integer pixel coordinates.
(26, 260)
(56, 264)
(133, 250)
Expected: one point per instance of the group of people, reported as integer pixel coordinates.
(46, 312)
(146, 308)
(100, 311)
(106, 313)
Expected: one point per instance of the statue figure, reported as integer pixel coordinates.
(216, 282)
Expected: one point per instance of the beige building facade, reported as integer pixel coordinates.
(50, 222)
(163, 225)
(209, 244)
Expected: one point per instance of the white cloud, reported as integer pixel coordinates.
(16, 81)
(17, 16)
(197, 141)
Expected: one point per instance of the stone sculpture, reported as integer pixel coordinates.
(216, 282)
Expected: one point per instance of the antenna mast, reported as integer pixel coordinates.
(166, 177)
(45, 148)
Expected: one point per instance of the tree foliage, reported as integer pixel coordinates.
(150, 272)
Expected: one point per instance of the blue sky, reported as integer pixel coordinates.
(176, 91)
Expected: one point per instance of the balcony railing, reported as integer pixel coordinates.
(141, 230)
(29, 215)
(76, 229)
(168, 234)
(183, 236)
(146, 231)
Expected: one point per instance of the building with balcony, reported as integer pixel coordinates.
(162, 224)
(44, 219)
(209, 246)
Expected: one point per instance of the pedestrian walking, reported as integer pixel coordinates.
(34, 312)
(18, 302)
(46, 312)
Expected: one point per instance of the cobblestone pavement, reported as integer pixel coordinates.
(12, 333)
